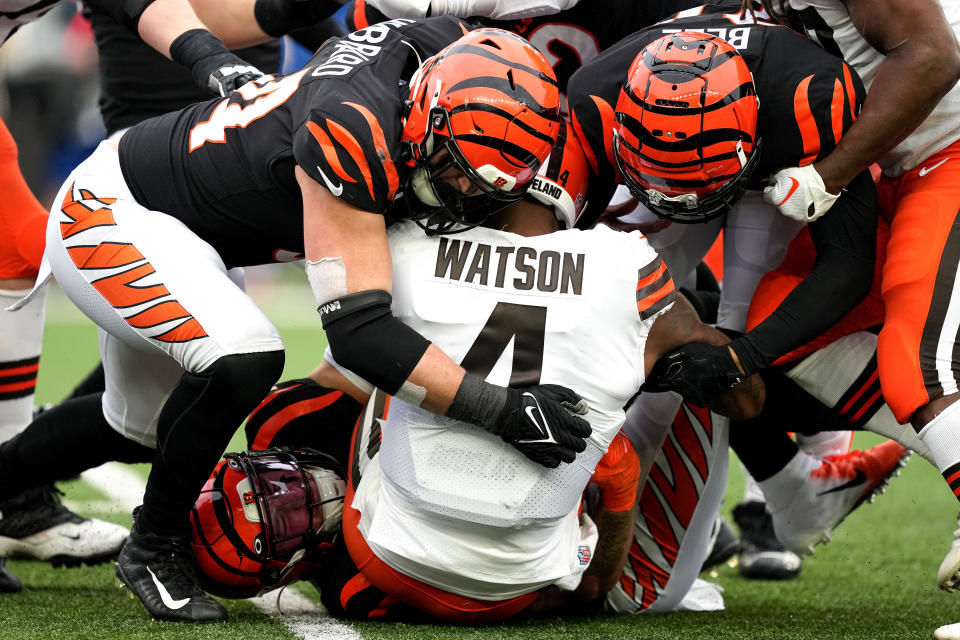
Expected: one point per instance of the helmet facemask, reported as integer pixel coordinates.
(484, 111)
(265, 519)
(434, 198)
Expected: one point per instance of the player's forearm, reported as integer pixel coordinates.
(233, 21)
(164, 20)
(613, 545)
(908, 85)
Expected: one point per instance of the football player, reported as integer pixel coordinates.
(452, 521)
(31, 523)
(770, 99)
(568, 32)
(908, 54)
(445, 124)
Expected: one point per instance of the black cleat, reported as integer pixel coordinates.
(724, 544)
(762, 557)
(9, 583)
(159, 570)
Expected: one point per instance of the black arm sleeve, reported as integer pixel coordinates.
(126, 12)
(368, 339)
(846, 242)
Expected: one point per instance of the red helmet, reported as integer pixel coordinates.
(686, 122)
(491, 102)
(263, 517)
(562, 180)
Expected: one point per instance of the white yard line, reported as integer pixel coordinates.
(303, 617)
(300, 615)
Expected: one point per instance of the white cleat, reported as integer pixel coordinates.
(947, 632)
(36, 525)
(948, 575)
(837, 487)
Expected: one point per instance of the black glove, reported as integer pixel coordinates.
(231, 76)
(698, 371)
(542, 423)
(539, 421)
(212, 66)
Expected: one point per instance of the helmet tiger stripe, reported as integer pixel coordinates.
(491, 100)
(685, 127)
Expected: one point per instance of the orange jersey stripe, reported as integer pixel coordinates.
(158, 314)
(607, 120)
(355, 150)
(329, 151)
(806, 122)
(650, 279)
(654, 297)
(380, 142)
(587, 151)
(360, 15)
(189, 330)
(120, 291)
(836, 111)
(283, 417)
(104, 255)
(270, 396)
(84, 217)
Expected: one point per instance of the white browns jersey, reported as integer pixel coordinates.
(829, 23)
(563, 308)
(16, 13)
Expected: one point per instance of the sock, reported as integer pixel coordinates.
(21, 335)
(780, 489)
(942, 437)
(825, 443)
(751, 489)
(62, 442)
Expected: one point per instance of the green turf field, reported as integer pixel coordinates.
(875, 580)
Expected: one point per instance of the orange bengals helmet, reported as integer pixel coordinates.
(562, 180)
(264, 519)
(486, 106)
(686, 120)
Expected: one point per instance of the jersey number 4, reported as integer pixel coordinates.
(260, 97)
(526, 325)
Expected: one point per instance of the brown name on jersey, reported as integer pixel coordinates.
(484, 264)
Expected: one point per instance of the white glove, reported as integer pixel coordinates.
(799, 193)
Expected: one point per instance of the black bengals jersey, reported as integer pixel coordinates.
(137, 82)
(568, 39)
(807, 100)
(225, 167)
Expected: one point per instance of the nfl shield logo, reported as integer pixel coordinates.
(583, 554)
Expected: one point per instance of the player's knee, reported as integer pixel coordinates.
(245, 378)
(900, 376)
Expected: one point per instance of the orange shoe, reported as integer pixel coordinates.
(833, 490)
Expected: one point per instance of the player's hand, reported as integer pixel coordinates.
(698, 371)
(231, 76)
(544, 423)
(799, 193)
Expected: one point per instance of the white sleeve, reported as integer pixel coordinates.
(496, 9)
